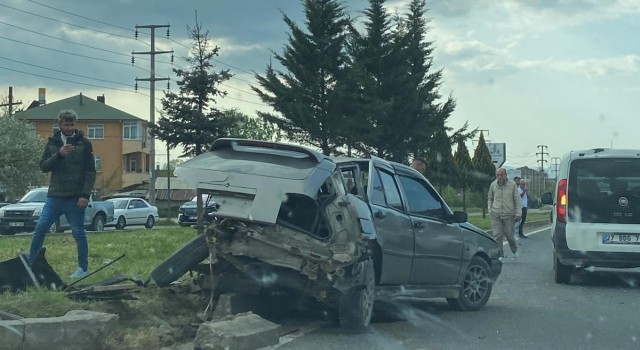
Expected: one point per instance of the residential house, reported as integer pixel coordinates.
(119, 139)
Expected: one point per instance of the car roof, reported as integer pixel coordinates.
(604, 153)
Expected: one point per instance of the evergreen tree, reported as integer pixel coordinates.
(465, 170)
(441, 167)
(484, 173)
(189, 117)
(252, 128)
(307, 96)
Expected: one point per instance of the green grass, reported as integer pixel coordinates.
(143, 250)
(140, 319)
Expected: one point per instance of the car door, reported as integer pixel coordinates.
(136, 212)
(393, 225)
(438, 243)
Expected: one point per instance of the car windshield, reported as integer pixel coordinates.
(119, 203)
(35, 196)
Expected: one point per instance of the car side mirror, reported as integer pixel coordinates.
(547, 198)
(459, 217)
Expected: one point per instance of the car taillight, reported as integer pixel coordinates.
(561, 205)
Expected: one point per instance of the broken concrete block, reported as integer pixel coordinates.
(75, 330)
(232, 303)
(246, 331)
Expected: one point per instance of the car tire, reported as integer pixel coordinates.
(181, 261)
(476, 287)
(121, 223)
(356, 305)
(562, 273)
(98, 223)
(150, 222)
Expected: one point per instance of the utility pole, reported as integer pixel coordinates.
(542, 153)
(152, 119)
(555, 164)
(11, 103)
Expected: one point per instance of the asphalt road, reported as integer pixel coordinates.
(527, 310)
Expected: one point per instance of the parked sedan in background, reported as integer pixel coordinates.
(133, 211)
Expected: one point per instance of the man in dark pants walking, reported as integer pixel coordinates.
(522, 190)
(68, 156)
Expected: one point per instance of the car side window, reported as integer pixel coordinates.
(421, 200)
(391, 191)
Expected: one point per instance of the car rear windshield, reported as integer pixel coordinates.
(604, 190)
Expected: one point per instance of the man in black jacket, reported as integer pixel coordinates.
(68, 156)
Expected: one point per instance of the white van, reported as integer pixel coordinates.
(596, 216)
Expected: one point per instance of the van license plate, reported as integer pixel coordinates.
(14, 224)
(620, 238)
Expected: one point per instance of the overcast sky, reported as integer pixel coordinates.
(560, 73)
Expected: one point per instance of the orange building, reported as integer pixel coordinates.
(119, 139)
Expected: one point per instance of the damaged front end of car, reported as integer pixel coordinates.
(285, 221)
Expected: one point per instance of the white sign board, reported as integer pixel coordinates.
(498, 153)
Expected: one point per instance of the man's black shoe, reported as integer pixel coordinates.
(523, 236)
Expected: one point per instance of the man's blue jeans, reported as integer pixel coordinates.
(53, 208)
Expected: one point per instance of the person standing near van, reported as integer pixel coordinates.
(522, 191)
(68, 156)
(505, 208)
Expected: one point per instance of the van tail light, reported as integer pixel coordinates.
(561, 205)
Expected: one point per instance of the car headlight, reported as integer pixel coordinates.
(1, 213)
(37, 212)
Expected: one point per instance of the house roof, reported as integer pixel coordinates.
(86, 108)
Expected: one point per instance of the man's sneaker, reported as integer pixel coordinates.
(501, 259)
(80, 273)
(515, 256)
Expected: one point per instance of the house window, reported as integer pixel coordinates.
(95, 131)
(133, 164)
(98, 161)
(132, 131)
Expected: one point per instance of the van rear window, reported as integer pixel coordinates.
(604, 190)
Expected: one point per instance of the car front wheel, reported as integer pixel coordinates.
(121, 223)
(356, 305)
(476, 287)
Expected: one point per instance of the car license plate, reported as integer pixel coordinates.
(14, 224)
(620, 238)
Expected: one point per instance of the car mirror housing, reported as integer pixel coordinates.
(459, 217)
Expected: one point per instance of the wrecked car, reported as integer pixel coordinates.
(344, 231)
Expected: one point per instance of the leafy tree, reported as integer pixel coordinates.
(305, 97)
(484, 171)
(20, 157)
(189, 117)
(252, 128)
(465, 170)
(173, 163)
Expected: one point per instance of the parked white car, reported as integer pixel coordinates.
(133, 211)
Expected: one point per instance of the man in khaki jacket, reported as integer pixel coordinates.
(505, 208)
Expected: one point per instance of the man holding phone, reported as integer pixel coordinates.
(68, 156)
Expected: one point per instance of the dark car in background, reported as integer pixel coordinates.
(188, 211)
(287, 221)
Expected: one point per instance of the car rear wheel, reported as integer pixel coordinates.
(98, 223)
(181, 261)
(150, 222)
(562, 272)
(121, 223)
(356, 305)
(476, 287)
